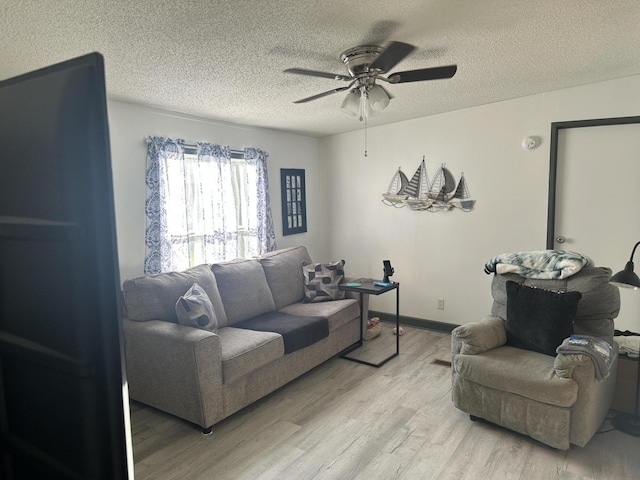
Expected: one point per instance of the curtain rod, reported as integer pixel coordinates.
(233, 152)
(194, 147)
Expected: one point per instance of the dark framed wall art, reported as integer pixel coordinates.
(294, 204)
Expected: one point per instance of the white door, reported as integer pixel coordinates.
(598, 202)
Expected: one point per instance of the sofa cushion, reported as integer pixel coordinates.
(537, 319)
(194, 309)
(522, 372)
(243, 288)
(322, 280)
(154, 297)
(338, 312)
(297, 331)
(245, 350)
(284, 275)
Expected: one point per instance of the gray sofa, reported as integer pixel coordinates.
(204, 377)
(555, 400)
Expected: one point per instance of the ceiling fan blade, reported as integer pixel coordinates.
(323, 94)
(316, 73)
(434, 73)
(391, 56)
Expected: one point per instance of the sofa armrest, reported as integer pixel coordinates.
(175, 368)
(565, 364)
(594, 396)
(365, 303)
(478, 337)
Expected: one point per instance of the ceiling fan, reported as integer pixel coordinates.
(367, 64)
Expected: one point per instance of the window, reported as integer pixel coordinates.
(205, 205)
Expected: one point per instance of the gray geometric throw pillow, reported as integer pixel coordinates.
(194, 309)
(322, 280)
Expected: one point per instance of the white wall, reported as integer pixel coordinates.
(443, 254)
(434, 254)
(130, 124)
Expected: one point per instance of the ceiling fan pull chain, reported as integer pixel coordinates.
(365, 136)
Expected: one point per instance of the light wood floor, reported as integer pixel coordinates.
(344, 420)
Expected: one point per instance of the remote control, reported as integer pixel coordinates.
(382, 284)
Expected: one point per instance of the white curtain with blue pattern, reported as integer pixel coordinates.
(204, 208)
(265, 231)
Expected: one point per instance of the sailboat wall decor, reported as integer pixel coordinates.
(441, 194)
(395, 194)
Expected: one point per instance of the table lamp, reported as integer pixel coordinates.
(628, 423)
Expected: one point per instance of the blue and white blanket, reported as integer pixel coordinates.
(544, 264)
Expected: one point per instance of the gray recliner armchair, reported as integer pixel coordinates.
(557, 400)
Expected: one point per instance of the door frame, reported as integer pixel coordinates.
(553, 162)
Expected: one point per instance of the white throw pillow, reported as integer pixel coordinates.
(194, 309)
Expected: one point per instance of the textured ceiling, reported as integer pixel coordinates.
(225, 60)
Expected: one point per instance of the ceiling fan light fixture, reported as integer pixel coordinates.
(365, 106)
(378, 98)
(351, 103)
(365, 64)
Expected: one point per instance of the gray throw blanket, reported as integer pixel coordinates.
(598, 350)
(544, 264)
(297, 331)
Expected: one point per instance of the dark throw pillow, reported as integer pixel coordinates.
(538, 319)
(322, 280)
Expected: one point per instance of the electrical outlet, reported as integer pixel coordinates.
(440, 303)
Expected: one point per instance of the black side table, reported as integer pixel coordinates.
(369, 288)
(630, 422)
